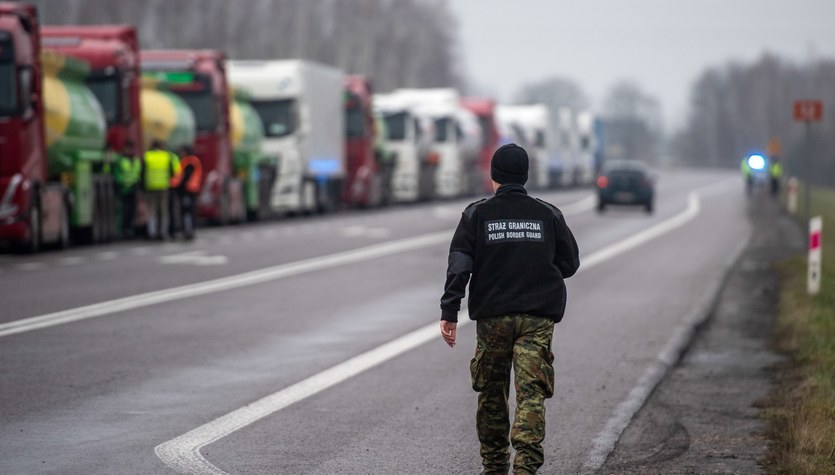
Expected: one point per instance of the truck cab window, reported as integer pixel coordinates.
(107, 90)
(354, 122)
(442, 130)
(278, 116)
(8, 89)
(396, 126)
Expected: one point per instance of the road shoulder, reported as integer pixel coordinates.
(703, 417)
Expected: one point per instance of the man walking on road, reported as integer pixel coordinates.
(514, 251)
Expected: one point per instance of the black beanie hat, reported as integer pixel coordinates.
(509, 165)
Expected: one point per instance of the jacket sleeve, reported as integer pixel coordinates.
(567, 256)
(459, 268)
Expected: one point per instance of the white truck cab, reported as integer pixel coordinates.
(530, 127)
(301, 105)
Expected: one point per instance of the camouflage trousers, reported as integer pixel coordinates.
(524, 343)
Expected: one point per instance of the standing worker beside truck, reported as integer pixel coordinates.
(160, 165)
(187, 184)
(127, 171)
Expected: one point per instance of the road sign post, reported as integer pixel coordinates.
(808, 111)
(791, 196)
(815, 243)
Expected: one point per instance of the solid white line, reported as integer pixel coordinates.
(225, 283)
(183, 453)
(605, 441)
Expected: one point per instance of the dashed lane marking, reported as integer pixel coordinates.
(29, 266)
(72, 260)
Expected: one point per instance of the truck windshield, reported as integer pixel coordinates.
(278, 116)
(8, 89)
(396, 125)
(442, 129)
(354, 122)
(196, 91)
(107, 91)
(201, 104)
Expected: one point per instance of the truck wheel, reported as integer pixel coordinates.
(64, 230)
(96, 225)
(224, 207)
(308, 197)
(35, 230)
(648, 207)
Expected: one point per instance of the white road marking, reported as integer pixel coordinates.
(71, 260)
(363, 231)
(27, 266)
(183, 453)
(141, 251)
(107, 255)
(197, 258)
(580, 206)
(232, 282)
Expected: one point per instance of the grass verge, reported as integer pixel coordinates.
(801, 411)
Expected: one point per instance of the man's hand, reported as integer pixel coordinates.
(448, 332)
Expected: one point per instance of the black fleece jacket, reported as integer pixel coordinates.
(518, 250)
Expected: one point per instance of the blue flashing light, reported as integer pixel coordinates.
(756, 162)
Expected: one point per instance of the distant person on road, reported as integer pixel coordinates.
(127, 172)
(160, 166)
(186, 184)
(514, 251)
(775, 174)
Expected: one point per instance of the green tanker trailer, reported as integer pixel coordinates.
(165, 117)
(75, 138)
(255, 170)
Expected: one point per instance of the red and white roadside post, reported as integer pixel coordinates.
(815, 235)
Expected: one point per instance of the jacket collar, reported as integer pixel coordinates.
(511, 188)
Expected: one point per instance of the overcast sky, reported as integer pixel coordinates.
(661, 44)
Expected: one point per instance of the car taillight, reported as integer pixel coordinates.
(602, 182)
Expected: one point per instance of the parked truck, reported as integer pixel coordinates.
(33, 210)
(455, 140)
(484, 109)
(533, 123)
(301, 105)
(408, 136)
(367, 169)
(256, 170)
(112, 53)
(198, 77)
(53, 135)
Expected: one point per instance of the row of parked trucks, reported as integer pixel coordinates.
(274, 137)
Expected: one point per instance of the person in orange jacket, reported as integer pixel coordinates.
(187, 184)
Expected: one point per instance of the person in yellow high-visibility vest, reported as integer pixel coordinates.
(159, 166)
(775, 173)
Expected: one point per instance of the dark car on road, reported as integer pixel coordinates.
(625, 182)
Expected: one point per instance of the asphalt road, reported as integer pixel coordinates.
(165, 353)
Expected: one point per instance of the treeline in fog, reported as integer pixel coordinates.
(403, 43)
(737, 108)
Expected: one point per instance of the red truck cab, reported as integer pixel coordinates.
(30, 209)
(112, 52)
(363, 186)
(484, 109)
(199, 78)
